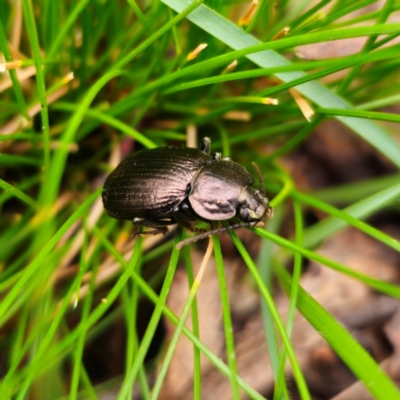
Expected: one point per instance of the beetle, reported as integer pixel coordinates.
(159, 187)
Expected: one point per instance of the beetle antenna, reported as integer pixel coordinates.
(260, 178)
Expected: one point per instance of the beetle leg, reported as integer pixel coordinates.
(163, 230)
(184, 220)
(189, 226)
(160, 226)
(184, 216)
(218, 231)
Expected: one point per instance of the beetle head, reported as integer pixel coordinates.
(253, 205)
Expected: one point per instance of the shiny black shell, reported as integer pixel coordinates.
(151, 184)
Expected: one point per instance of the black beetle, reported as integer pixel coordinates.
(168, 185)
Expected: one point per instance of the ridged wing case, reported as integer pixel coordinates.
(151, 183)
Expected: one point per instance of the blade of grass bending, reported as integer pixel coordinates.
(384, 287)
(153, 323)
(356, 113)
(260, 48)
(298, 375)
(264, 262)
(65, 344)
(299, 229)
(195, 326)
(343, 8)
(23, 185)
(331, 67)
(49, 324)
(45, 341)
(16, 374)
(347, 348)
(368, 46)
(184, 12)
(229, 339)
(350, 215)
(295, 140)
(19, 95)
(178, 331)
(379, 103)
(88, 392)
(40, 81)
(51, 186)
(130, 303)
(280, 385)
(343, 194)
(17, 348)
(139, 15)
(87, 304)
(15, 161)
(37, 262)
(298, 24)
(65, 27)
(17, 193)
(108, 119)
(233, 36)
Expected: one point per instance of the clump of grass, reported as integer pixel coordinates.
(86, 81)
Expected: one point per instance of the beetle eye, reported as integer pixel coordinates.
(244, 214)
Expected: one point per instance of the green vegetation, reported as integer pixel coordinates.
(68, 273)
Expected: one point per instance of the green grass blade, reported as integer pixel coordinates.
(228, 328)
(234, 37)
(52, 184)
(13, 75)
(178, 331)
(355, 357)
(360, 114)
(301, 384)
(41, 86)
(195, 326)
(17, 193)
(37, 262)
(384, 287)
(149, 292)
(350, 215)
(127, 385)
